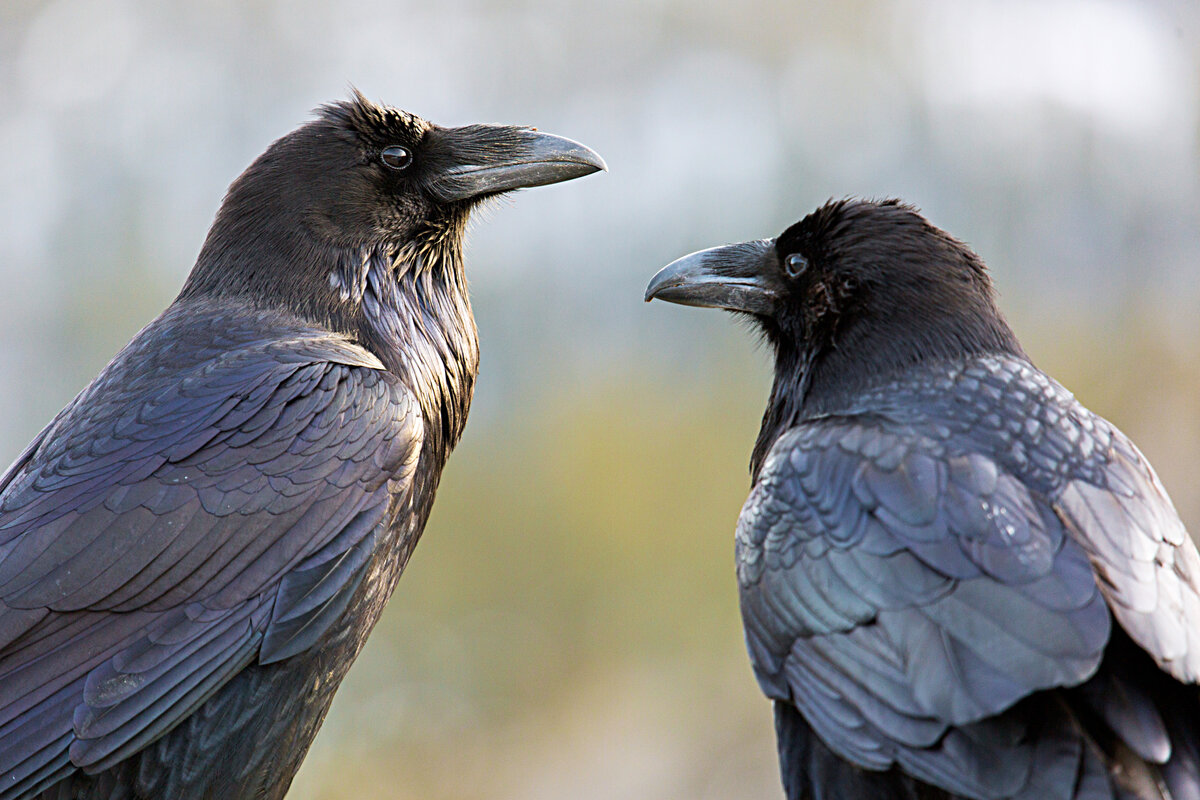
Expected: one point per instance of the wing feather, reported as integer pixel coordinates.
(1147, 565)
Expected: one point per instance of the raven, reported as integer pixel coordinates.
(955, 580)
(195, 549)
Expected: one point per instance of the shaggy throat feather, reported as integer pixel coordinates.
(417, 319)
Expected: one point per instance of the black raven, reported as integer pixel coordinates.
(955, 580)
(195, 549)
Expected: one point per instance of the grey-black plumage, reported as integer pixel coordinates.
(955, 580)
(193, 551)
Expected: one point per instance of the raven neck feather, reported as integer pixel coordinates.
(793, 376)
(416, 317)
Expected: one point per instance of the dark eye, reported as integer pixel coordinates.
(795, 264)
(395, 157)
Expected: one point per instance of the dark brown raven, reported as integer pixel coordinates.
(193, 551)
(956, 581)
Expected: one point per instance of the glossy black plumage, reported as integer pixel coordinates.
(193, 552)
(956, 581)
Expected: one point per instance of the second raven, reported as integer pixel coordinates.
(956, 581)
(193, 551)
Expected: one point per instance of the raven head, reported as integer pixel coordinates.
(872, 277)
(854, 292)
(365, 177)
(387, 174)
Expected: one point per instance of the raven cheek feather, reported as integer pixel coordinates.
(194, 551)
(955, 580)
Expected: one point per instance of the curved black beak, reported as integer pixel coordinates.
(490, 159)
(737, 277)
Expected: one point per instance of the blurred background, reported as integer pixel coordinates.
(568, 626)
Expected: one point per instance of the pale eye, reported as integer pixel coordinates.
(795, 264)
(395, 157)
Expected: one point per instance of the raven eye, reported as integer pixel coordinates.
(396, 157)
(795, 264)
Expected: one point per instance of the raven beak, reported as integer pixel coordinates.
(495, 158)
(736, 277)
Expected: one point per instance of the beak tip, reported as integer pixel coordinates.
(575, 156)
(656, 285)
(591, 160)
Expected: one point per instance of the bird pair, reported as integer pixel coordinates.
(937, 545)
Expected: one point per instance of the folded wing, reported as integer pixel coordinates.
(177, 526)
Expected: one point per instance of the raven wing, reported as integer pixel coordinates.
(1146, 564)
(172, 526)
(902, 594)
